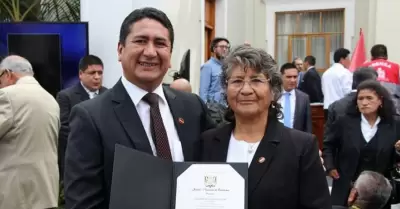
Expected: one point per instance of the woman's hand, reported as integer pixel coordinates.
(397, 145)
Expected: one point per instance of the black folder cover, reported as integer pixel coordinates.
(142, 181)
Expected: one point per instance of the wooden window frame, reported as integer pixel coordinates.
(327, 35)
(209, 27)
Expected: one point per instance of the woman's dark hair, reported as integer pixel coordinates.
(259, 60)
(386, 111)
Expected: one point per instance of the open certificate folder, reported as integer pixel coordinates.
(142, 181)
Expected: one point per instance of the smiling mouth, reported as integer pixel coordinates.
(246, 101)
(147, 64)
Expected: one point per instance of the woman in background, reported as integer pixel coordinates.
(285, 170)
(363, 139)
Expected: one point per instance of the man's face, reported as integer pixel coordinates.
(346, 62)
(92, 77)
(306, 65)
(289, 79)
(146, 54)
(299, 64)
(221, 49)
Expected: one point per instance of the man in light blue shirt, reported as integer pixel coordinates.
(210, 81)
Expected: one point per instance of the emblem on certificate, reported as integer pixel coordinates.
(210, 181)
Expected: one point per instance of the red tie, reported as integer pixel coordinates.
(158, 128)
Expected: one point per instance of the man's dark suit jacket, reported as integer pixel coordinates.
(291, 176)
(336, 110)
(311, 85)
(66, 99)
(302, 112)
(97, 125)
(341, 151)
(339, 207)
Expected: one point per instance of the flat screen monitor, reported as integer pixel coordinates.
(44, 53)
(73, 43)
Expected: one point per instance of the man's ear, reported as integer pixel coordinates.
(120, 47)
(352, 197)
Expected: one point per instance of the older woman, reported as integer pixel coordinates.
(285, 170)
(361, 140)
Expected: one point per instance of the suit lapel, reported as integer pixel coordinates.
(385, 136)
(178, 113)
(353, 128)
(79, 90)
(102, 90)
(129, 118)
(265, 153)
(221, 143)
(297, 110)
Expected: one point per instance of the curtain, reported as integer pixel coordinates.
(309, 33)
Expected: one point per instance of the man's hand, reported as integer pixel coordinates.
(397, 146)
(334, 174)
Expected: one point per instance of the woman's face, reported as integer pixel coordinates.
(248, 93)
(368, 101)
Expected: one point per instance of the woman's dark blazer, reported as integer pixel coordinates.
(291, 176)
(341, 151)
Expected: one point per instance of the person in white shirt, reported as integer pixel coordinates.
(337, 80)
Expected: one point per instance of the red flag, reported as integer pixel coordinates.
(359, 57)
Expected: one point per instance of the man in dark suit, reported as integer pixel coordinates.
(138, 112)
(311, 82)
(295, 104)
(338, 108)
(90, 85)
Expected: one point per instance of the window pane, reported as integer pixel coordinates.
(309, 22)
(286, 23)
(299, 47)
(282, 50)
(333, 21)
(336, 43)
(318, 50)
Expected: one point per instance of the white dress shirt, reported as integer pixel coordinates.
(292, 104)
(240, 151)
(336, 83)
(367, 131)
(92, 94)
(143, 109)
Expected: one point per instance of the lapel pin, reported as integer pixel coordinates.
(261, 159)
(181, 121)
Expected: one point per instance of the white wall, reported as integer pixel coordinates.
(387, 30)
(378, 21)
(105, 18)
(291, 5)
(241, 21)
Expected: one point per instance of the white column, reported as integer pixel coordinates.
(105, 18)
(386, 29)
